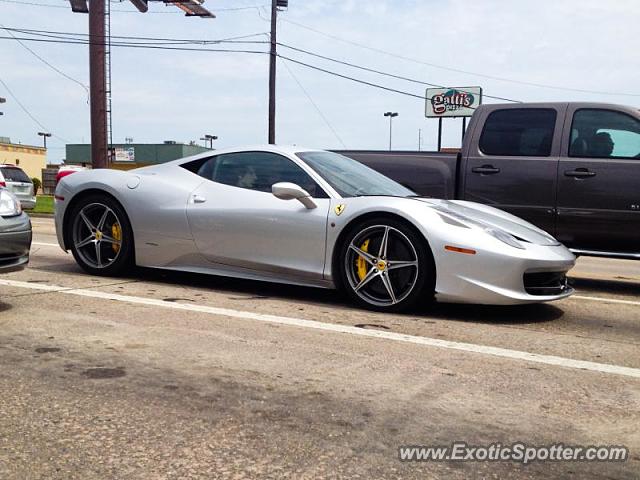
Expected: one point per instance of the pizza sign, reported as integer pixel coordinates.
(452, 102)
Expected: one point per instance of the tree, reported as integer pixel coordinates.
(36, 185)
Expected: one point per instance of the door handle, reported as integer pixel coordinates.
(579, 173)
(486, 170)
(198, 199)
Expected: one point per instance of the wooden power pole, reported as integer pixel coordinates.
(97, 80)
(98, 60)
(272, 73)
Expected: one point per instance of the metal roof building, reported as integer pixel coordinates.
(133, 155)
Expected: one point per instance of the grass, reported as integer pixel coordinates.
(44, 204)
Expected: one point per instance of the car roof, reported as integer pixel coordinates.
(286, 149)
(281, 149)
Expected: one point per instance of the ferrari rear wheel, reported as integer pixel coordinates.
(101, 238)
(387, 266)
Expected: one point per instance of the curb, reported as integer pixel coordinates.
(40, 215)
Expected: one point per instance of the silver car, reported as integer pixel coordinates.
(307, 217)
(17, 182)
(15, 233)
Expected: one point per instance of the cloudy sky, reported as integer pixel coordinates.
(584, 49)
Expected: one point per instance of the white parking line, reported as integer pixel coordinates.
(332, 327)
(605, 300)
(42, 244)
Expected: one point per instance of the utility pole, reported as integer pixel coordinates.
(97, 60)
(419, 139)
(391, 115)
(272, 73)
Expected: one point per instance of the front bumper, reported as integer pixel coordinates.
(498, 278)
(15, 242)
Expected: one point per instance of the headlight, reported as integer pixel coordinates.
(504, 237)
(9, 204)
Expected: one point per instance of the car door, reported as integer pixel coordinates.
(237, 222)
(599, 179)
(513, 159)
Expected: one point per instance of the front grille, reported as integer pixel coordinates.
(545, 283)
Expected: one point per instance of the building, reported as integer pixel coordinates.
(126, 156)
(29, 158)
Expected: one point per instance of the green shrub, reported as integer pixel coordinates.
(37, 184)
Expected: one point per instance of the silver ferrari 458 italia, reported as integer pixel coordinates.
(306, 217)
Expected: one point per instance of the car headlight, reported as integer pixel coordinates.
(504, 237)
(9, 204)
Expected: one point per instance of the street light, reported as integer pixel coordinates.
(390, 115)
(44, 135)
(210, 138)
(2, 100)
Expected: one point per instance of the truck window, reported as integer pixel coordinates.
(599, 133)
(519, 132)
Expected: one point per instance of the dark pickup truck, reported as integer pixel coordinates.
(572, 169)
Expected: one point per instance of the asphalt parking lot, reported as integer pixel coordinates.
(166, 375)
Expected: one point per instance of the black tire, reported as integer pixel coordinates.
(104, 254)
(410, 284)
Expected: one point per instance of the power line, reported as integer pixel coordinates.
(49, 64)
(80, 36)
(326, 121)
(457, 70)
(346, 77)
(172, 41)
(137, 45)
(222, 50)
(379, 72)
(31, 116)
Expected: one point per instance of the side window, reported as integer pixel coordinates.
(519, 132)
(200, 166)
(597, 133)
(260, 170)
(207, 168)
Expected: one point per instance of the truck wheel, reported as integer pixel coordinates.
(386, 266)
(101, 236)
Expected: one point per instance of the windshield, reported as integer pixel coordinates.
(351, 178)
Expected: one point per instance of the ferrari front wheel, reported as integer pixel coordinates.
(387, 266)
(101, 237)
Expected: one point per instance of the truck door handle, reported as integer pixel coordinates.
(198, 199)
(486, 170)
(579, 173)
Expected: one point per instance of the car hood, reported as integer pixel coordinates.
(488, 217)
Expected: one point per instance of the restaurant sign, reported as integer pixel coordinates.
(452, 102)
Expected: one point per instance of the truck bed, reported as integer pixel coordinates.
(429, 174)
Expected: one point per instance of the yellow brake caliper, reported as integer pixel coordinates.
(116, 233)
(361, 263)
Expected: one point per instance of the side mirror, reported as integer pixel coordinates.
(291, 191)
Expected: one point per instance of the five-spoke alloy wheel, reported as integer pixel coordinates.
(101, 240)
(386, 265)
